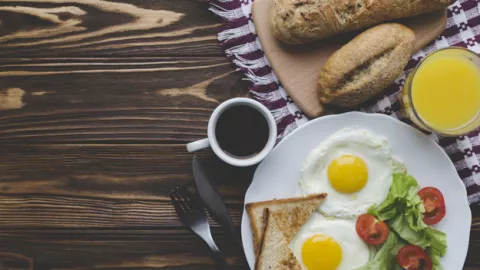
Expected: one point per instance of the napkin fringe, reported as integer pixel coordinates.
(240, 43)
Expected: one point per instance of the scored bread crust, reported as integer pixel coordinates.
(274, 252)
(288, 221)
(366, 65)
(303, 21)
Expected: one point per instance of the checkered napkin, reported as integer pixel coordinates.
(239, 40)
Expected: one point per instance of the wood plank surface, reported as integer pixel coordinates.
(105, 100)
(97, 101)
(32, 28)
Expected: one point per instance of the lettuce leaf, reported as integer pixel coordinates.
(435, 257)
(385, 258)
(400, 225)
(403, 188)
(438, 240)
(403, 210)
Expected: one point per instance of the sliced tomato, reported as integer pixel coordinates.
(411, 257)
(434, 204)
(372, 230)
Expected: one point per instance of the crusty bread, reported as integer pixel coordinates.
(290, 214)
(302, 21)
(366, 65)
(274, 253)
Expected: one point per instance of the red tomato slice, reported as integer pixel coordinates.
(372, 230)
(411, 257)
(434, 204)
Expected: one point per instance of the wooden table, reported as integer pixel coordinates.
(97, 101)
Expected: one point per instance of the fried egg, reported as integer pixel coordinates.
(354, 167)
(329, 244)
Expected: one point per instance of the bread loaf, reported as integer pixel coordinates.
(366, 65)
(302, 21)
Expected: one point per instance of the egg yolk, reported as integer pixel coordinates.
(348, 174)
(321, 252)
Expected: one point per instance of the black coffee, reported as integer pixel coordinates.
(242, 131)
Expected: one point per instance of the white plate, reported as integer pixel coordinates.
(277, 175)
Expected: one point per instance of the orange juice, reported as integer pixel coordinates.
(444, 92)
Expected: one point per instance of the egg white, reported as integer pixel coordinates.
(373, 150)
(355, 253)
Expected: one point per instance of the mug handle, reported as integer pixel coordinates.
(198, 145)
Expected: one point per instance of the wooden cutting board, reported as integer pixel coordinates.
(297, 66)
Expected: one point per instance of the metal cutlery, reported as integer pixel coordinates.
(213, 200)
(191, 212)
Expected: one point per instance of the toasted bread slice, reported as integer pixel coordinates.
(290, 215)
(274, 253)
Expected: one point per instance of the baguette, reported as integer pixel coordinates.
(303, 21)
(366, 65)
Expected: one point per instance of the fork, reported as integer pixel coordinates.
(192, 214)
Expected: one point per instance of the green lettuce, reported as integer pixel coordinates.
(385, 258)
(435, 257)
(403, 211)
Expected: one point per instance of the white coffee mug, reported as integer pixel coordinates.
(211, 141)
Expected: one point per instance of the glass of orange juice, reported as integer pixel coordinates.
(442, 94)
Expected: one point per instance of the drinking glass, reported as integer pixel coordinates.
(410, 89)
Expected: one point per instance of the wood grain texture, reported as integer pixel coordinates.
(101, 27)
(93, 182)
(83, 201)
(158, 248)
(97, 101)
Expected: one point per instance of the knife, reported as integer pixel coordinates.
(212, 199)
